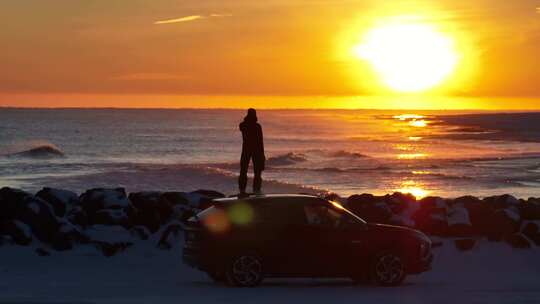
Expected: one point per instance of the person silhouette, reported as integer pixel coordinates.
(252, 149)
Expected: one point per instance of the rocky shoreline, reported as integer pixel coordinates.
(111, 219)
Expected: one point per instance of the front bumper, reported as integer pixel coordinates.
(421, 265)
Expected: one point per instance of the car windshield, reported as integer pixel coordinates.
(345, 214)
(331, 214)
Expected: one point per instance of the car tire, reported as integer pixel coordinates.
(388, 269)
(245, 271)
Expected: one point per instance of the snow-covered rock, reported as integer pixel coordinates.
(170, 236)
(140, 232)
(111, 217)
(518, 240)
(78, 216)
(458, 216)
(99, 198)
(531, 229)
(110, 240)
(68, 235)
(19, 232)
(60, 200)
(431, 220)
(152, 203)
(39, 215)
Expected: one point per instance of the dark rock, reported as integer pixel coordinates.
(480, 214)
(39, 215)
(370, 208)
(183, 213)
(530, 210)
(12, 202)
(503, 222)
(432, 202)
(431, 220)
(466, 200)
(398, 198)
(59, 199)
(517, 240)
(459, 223)
(532, 231)
(465, 244)
(148, 202)
(42, 252)
(149, 219)
(96, 199)
(209, 193)
(78, 216)
(169, 236)
(331, 196)
(140, 232)
(502, 201)
(68, 235)
(361, 199)
(175, 198)
(19, 232)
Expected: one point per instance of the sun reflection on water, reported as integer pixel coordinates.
(408, 116)
(414, 188)
(411, 155)
(421, 123)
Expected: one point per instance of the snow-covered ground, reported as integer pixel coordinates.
(490, 273)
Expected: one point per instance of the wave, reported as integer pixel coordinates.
(164, 177)
(290, 158)
(347, 154)
(46, 150)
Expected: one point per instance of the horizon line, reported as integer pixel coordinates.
(263, 109)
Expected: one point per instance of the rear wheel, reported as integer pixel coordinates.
(388, 269)
(245, 271)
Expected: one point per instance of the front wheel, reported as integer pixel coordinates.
(388, 270)
(245, 271)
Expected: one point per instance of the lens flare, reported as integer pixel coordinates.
(241, 214)
(217, 221)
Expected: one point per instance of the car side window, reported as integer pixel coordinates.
(321, 215)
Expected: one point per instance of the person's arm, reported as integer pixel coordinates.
(261, 143)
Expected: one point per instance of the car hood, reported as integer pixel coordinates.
(394, 229)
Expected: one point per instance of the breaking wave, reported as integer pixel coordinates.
(41, 150)
(286, 159)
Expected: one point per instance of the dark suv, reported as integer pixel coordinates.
(242, 240)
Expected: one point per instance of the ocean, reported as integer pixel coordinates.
(444, 153)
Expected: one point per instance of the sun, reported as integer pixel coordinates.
(409, 56)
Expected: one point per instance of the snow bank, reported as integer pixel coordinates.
(492, 273)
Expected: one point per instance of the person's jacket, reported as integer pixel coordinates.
(252, 136)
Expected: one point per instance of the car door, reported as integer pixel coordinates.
(325, 243)
(282, 239)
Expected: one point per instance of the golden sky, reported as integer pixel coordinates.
(277, 53)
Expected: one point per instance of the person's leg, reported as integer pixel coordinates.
(242, 179)
(258, 167)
